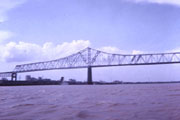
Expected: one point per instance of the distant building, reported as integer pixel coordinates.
(117, 82)
(29, 78)
(72, 81)
(4, 79)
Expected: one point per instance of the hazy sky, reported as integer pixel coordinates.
(37, 30)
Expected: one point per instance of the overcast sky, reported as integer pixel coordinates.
(38, 30)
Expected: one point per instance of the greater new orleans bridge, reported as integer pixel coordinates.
(90, 58)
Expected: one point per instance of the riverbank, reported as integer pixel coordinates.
(25, 83)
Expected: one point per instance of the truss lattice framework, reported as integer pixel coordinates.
(96, 58)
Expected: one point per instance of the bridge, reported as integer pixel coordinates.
(90, 58)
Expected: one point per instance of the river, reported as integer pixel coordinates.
(91, 102)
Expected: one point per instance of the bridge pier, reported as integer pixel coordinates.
(14, 76)
(89, 75)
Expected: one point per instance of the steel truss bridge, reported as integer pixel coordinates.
(89, 58)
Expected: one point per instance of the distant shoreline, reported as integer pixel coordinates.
(139, 82)
(31, 83)
(26, 83)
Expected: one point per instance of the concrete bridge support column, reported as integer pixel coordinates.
(89, 77)
(14, 76)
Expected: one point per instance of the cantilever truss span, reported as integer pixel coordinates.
(94, 58)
